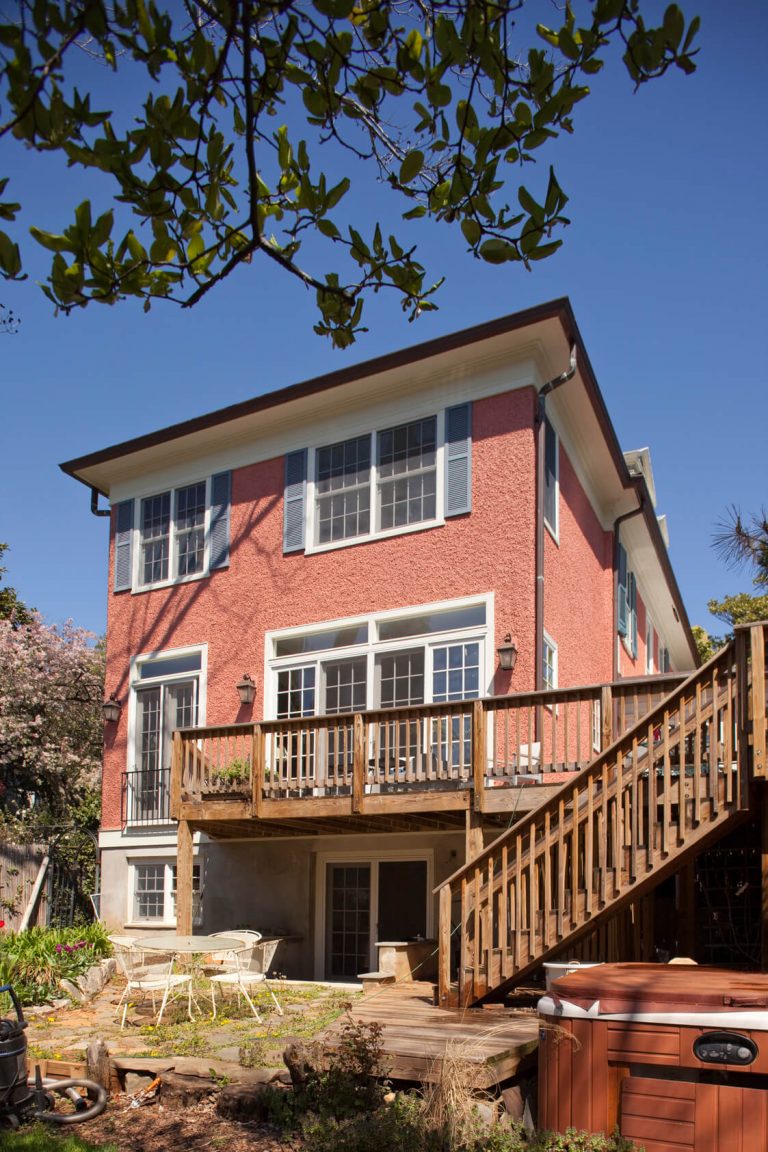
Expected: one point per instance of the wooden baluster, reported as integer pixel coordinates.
(518, 910)
(478, 755)
(532, 893)
(176, 770)
(606, 717)
(561, 867)
(444, 944)
(589, 845)
(666, 784)
(574, 854)
(757, 646)
(504, 913)
(602, 837)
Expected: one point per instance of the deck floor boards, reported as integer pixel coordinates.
(416, 1034)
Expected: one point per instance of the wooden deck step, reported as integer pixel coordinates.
(417, 1036)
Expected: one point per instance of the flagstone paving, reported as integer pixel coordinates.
(64, 1033)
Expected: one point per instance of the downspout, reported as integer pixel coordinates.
(544, 391)
(616, 544)
(95, 510)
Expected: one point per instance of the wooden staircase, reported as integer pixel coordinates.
(678, 780)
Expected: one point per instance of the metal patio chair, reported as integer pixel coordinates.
(233, 970)
(153, 981)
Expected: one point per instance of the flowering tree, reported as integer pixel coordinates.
(51, 688)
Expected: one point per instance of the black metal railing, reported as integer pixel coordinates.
(146, 797)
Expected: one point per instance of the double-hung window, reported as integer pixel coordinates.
(627, 603)
(166, 691)
(171, 536)
(549, 663)
(388, 480)
(153, 899)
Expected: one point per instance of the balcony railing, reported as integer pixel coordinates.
(468, 744)
(146, 797)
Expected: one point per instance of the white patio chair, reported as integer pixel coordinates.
(147, 981)
(233, 971)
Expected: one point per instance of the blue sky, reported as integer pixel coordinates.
(666, 265)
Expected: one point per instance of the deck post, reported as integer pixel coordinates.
(473, 836)
(478, 754)
(257, 771)
(757, 644)
(175, 796)
(444, 945)
(358, 763)
(184, 879)
(606, 717)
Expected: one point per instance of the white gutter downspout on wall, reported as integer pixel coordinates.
(544, 391)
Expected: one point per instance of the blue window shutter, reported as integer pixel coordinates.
(458, 460)
(294, 500)
(621, 619)
(632, 598)
(123, 545)
(221, 485)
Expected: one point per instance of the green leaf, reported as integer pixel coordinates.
(498, 252)
(50, 241)
(328, 228)
(411, 166)
(472, 231)
(674, 26)
(544, 250)
(10, 257)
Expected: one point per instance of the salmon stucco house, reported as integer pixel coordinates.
(361, 629)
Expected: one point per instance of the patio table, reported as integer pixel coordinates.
(193, 945)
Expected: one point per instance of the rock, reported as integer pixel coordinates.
(133, 1082)
(487, 1111)
(303, 1062)
(245, 1101)
(178, 1091)
(73, 991)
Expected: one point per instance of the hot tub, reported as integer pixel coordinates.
(676, 1056)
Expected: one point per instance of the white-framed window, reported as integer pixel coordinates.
(374, 483)
(649, 639)
(394, 478)
(551, 478)
(597, 725)
(153, 892)
(549, 663)
(392, 659)
(627, 603)
(166, 694)
(173, 535)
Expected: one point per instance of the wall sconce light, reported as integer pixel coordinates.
(111, 709)
(246, 689)
(507, 654)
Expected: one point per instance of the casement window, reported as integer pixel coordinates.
(154, 892)
(551, 479)
(627, 603)
(172, 536)
(387, 660)
(393, 479)
(165, 695)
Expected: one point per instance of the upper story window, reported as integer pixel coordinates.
(385, 481)
(627, 603)
(171, 536)
(549, 663)
(551, 478)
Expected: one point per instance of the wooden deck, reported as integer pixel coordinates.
(492, 1041)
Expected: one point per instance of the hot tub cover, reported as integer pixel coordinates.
(642, 988)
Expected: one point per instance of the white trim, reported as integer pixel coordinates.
(370, 856)
(134, 681)
(373, 431)
(168, 863)
(552, 645)
(137, 588)
(372, 646)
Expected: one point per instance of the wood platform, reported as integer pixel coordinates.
(492, 1040)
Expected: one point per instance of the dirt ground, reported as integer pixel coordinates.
(152, 1128)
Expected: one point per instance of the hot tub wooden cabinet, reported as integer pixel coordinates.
(676, 1056)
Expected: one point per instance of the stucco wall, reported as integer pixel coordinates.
(271, 886)
(489, 550)
(578, 586)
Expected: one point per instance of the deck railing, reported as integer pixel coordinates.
(464, 744)
(623, 822)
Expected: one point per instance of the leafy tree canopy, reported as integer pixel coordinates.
(447, 101)
(51, 725)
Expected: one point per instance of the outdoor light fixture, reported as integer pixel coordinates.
(111, 709)
(507, 653)
(246, 689)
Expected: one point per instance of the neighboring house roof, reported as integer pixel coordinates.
(542, 336)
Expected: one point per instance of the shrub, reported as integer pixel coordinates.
(35, 961)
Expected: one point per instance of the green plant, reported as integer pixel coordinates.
(235, 773)
(40, 1138)
(35, 961)
(574, 1141)
(252, 1054)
